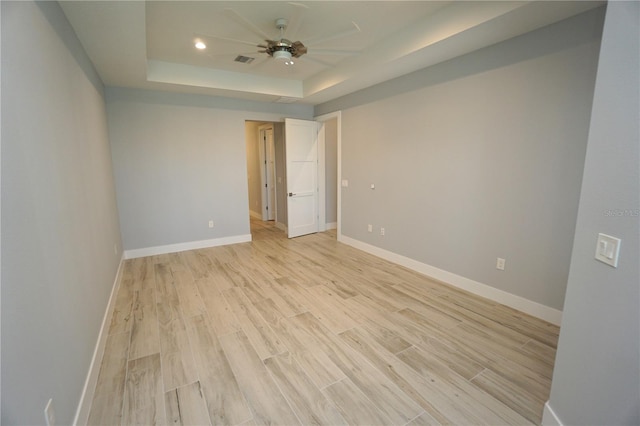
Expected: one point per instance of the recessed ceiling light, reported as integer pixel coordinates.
(200, 45)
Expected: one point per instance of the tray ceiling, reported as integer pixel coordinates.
(150, 45)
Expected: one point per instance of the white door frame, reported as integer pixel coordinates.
(322, 191)
(263, 154)
(321, 171)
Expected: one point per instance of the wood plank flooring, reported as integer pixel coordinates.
(310, 331)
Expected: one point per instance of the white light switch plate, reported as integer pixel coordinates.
(608, 249)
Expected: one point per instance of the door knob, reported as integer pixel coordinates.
(291, 194)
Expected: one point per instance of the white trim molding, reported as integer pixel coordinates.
(192, 245)
(321, 175)
(527, 306)
(89, 389)
(331, 225)
(549, 417)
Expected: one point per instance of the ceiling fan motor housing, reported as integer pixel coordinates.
(276, 48)
(283, 48)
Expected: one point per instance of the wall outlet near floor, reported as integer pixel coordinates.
(115, 249)
(500, 263)
(382, 231)
(210, 224)
(370, 228)
(49, 414)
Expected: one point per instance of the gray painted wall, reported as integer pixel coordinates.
(59, 218)
(596, 379)
(331, 170)
(477, 158)
(180, 161)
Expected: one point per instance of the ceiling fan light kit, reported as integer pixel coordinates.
(284, 55)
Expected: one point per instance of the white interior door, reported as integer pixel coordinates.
(301, 148)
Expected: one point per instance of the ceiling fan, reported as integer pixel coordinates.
(281, 48)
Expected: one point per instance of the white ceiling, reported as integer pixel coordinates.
(150, 45)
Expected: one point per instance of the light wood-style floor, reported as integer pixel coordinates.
(310, 331)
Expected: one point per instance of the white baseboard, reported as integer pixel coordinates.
(530, 307)
(255, 215)
(549, 417)
(331, 225)
(86, 398)
(192, 245)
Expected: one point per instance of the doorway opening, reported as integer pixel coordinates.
(265, 172)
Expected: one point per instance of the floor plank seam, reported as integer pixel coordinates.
(471, 379)
(416, 417)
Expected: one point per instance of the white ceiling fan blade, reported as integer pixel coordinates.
(315, 61)
(259, 62)
(312, 51)
(224, 54)
(319, 40)
(246, 23)
(266, 60)
(295, 20)
(231, 40)
(255, 53)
